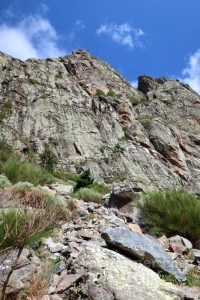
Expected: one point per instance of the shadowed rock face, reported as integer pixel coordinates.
(149, 136)
(144, 248)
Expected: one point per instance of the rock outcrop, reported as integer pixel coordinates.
(91, 117)
(144, 248)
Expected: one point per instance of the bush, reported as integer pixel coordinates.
(84, 180)
(65, 176)
(88, 195)
(33, 218)
(173, 212)
(100, 188)
(111, 93)
(100, 93)
(4, 181)
(16, 171)
(48, 160)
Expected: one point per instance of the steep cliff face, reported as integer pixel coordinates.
(93, 118)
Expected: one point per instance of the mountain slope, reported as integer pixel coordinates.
(91, 117)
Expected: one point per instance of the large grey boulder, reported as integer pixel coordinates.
(144, 248)
(112, 276)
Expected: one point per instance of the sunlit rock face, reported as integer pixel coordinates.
(92, 118)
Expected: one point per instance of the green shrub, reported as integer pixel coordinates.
(27, 224)
(160, 80)
(111, 93)
(100, 93)
(20, 186)
(84, 180)
(173, 212)
(100, 188)
(16, 171)
(193, 278)
(118, 149)
(4, 181)
(58, 75)
(88, 195)
(65, 176)
(11, 168)
(48, 160)
(33, 81)
(5, 151)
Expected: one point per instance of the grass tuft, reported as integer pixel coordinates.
(173, 212)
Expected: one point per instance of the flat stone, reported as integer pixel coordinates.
(144, 248)
(113, 276)
(66, 281)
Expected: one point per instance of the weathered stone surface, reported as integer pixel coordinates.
(121, 198)
(53, 246)
(196, 253)
(62, 189)
(65, 281)
(113, 276)
(28, 266)
(181, 241)
(144, 248)
(148, 137)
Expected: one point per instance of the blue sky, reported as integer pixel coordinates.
(152, 37)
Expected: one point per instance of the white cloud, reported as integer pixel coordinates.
(33, 37)
(123, 34)
(134, 84)
(191, 74)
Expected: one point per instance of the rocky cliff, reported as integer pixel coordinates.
(93, 118)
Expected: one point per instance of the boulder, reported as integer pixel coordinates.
(144, 248)
(121, 198)
(111, 276)
(181, 241)
(62, 189)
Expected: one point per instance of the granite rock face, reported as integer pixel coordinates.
(91, 117)
(113, 276)
(144, 248)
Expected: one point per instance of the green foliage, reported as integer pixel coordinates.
(193, 279)
(16, 171)
(160, 80)
(136, 101)
(33, 81)
(65, 176)
(7, 105)
(118, 149)
(100, 188)
(88, 195)
(48, 160)
(21, 186)
(111, 93)
(168, 278)
(172, 212)
(4, 181)
(44, 96)
(24, 225)
(58, 75)
(2, 115)
(100, 93)
(84, 180)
